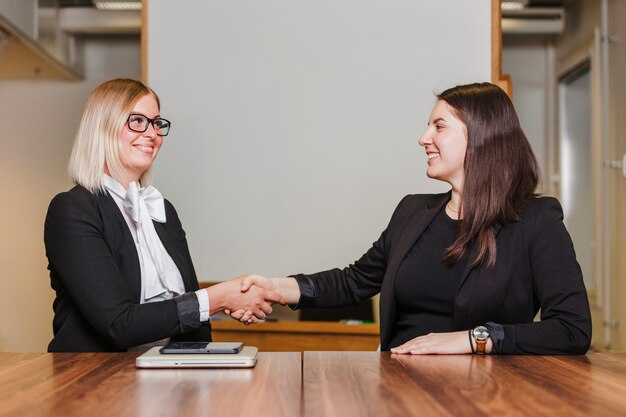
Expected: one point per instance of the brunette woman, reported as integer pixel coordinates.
(466, 271)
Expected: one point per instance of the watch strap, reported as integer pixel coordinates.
(480, 346)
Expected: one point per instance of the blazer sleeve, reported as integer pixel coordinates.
(81, 259)
(565, 325)
(358, 281)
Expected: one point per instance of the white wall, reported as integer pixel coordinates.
(295, 123)
(39, 120)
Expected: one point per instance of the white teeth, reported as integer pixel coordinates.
(432, 156)
(144, 148)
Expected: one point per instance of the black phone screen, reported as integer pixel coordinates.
(202, 347)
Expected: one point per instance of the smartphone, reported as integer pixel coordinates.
(202, 347)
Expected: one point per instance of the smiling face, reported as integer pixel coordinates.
(138, 150)
(445, 143)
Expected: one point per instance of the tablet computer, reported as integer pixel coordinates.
(246, 358)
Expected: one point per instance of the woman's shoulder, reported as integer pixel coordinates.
(414, 202)
(77, 198)
(542, 206)
(171, 215)
(539, 214)
(169, 207)
(75, 194)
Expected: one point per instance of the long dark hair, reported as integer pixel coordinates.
(501, 172)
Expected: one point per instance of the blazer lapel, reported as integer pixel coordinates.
(172, 250)
(414, 229)
(110, 210)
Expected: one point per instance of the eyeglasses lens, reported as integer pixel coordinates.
(138, 123)
(161, 126)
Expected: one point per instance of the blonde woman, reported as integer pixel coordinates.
(118, 256)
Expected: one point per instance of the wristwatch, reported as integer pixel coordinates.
(481, 334)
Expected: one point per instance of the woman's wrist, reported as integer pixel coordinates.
(488, 343)
(216, 297)
(288, 288)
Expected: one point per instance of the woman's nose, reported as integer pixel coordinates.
(425, 139)
(150, 131)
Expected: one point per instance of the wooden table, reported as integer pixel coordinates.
(380, 384)
(326, 384)
(108, 384)
(298, 336)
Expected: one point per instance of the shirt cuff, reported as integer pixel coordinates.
(188, 315)
(496, 333)
(307, 292)
(203, 304)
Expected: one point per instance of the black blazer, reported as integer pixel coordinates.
(535, 268)
(94, 270)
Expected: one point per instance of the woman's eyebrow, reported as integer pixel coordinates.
(438, 119)
(158, 116)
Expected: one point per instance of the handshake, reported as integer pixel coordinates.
(249, 298)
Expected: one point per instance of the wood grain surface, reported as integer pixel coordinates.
(323, 384)
(380, 384)
(108, 384)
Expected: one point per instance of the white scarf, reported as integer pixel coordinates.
(142, 205)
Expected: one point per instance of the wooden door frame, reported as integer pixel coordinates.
(497, 77)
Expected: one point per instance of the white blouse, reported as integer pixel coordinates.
(160, 277)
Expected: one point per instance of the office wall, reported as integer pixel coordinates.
(581, 18)
(295, 123)
(39, 120)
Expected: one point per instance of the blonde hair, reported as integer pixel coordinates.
(97, 144)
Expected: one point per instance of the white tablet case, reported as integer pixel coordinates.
(246, 358)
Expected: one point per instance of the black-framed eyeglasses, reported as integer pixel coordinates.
(139, 123)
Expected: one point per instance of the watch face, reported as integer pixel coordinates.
(481, 333)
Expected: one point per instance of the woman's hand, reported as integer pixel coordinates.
(257, 301)
(248, 282)
(286, 287)
(437, 343)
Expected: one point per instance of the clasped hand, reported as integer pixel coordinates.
(258, 289)
(252, 302)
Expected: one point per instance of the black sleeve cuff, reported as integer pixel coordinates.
(496, 333)
(188, 311)
(307, 292)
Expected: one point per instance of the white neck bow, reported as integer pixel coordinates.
(143, 205)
